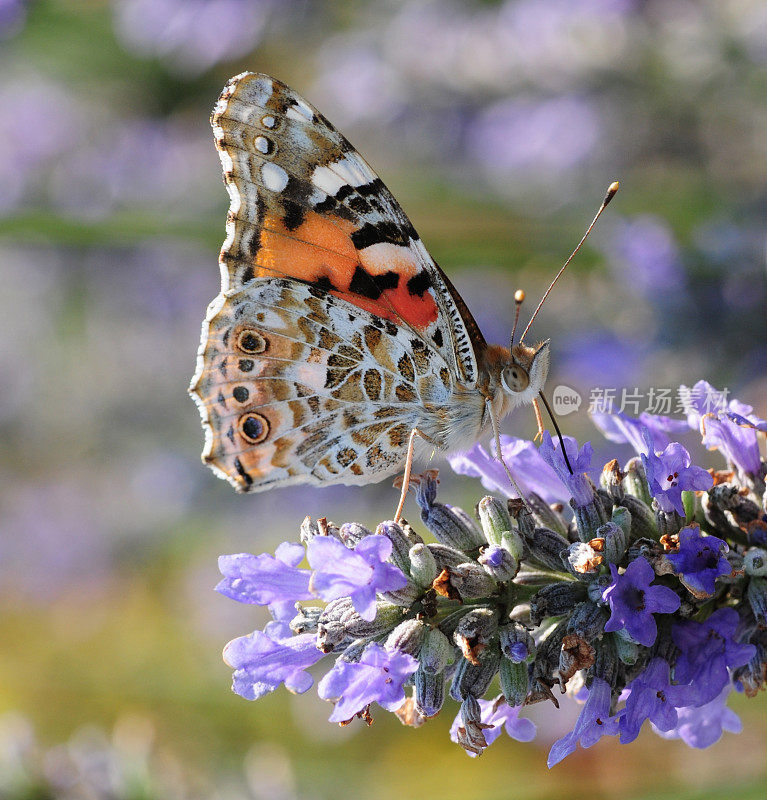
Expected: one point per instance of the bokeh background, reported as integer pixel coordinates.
(498, 125)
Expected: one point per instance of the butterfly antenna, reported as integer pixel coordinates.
(556, 428)
(611, 192)
(519, 298)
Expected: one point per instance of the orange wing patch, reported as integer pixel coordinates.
(382, 279)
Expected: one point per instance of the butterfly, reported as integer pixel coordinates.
(335, 334)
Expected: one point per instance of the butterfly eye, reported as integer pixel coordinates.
(514, 379)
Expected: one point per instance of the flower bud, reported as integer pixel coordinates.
(514, 678)
(319, 527)
(584, 558)
(588, 620)
(611, 480)
(429, 691)
(519, 511)
(498, 563)
(306, 619)
(635, 481)
(589, 517)
(757, 597)
(473, 680)
(668, 524)
(615, 540)
(436, 652)
(352, 533)
(387, 616)
(407, 637)
(555, 600)
(626, 650)
(545, 515)
(423, 565)
(755, 562)
(495, 519)
(546, 547)
(449, 525)
(643, 525)
(445, 556)
(517, 645)
(474, 632)
(464, 582)
(400, 544)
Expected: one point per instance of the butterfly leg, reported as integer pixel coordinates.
(498, 454)
(538, 421)
(408, 468)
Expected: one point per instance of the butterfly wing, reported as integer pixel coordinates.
(310, 220)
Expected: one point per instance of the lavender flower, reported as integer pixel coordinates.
(265, 659)
(702, 726)
(699, 561)
(523, 596)
(499, 716)
(670, 473)
(275, 580)
(652, 696)
(728, 426)
(593, 723)
(707, 650)
(633, 601)
(530, 471)
(618, 427)
(358, 574)
(577, 483)
(378, 677)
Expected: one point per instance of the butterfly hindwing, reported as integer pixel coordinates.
(296, 385)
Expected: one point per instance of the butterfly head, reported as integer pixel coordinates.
(523, 377)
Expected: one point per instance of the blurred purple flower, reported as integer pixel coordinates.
(191, 35)
(577, 483)
(265, 659)
(501, 716)
(530, 471)
(652, 696)
(633, 601)
(728, 426)
(619, 427)
(358, 574)
(378, 677)
(599, 357)
(699, 561)
(703, 726)
(25, 161)
(143, 163)
(670, 473)
(646, 256)
(13, 15)
(707, 650)
(533, 135)
(593, 723)
(275, 580)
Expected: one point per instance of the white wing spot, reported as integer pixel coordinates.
(353, 169)
(274, 177)
(268, 121)
(262, 144)
(326, 179)
(300, 111)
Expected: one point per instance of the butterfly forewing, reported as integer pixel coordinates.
(335, 328)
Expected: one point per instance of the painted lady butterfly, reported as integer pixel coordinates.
(335, 334)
